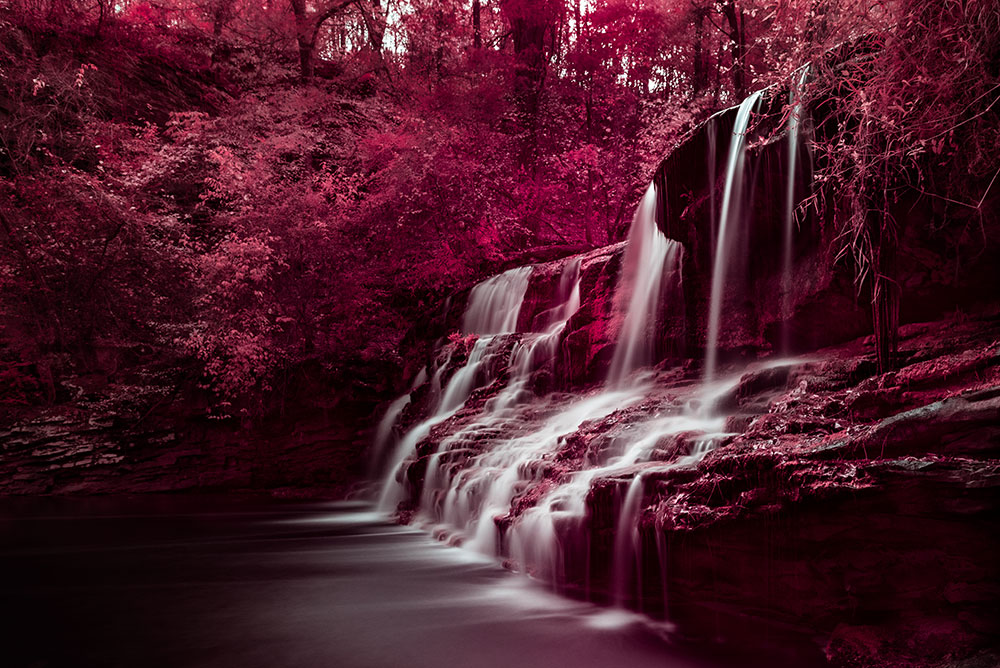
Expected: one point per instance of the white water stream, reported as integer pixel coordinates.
(729, 216)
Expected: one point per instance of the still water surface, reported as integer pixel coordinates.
(189, 581)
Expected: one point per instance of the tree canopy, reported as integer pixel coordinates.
(260, 187)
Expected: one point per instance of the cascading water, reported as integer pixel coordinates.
(700, 415)
(476, 474)
(488, 489)
(729, 216)
(384, 431)
(626, 562)
(466, 496)
(494, 306)
(627, 542)
(391, 487)
(794, 123)
(461, 499)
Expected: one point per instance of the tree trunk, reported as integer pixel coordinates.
(699, 78)
(529, 22)
(885, 293)
(221, 15)
(477, 37)
(737, 36)
(374, 25)
(303, 36)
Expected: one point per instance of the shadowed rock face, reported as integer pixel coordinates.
(942, 264)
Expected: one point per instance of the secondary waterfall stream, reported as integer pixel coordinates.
(729, 218)
(795, 94)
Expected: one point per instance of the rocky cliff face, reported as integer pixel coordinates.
(862, 509)
(148, 439)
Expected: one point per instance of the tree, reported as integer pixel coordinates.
(477, 37)
(307, 30)
(531, 22)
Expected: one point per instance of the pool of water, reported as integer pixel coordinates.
(195, 581)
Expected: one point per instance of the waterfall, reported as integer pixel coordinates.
(728, 217)
(481, 493)
(385, 434)
(477, 473)
(627, 543)
(794, 123)
(537, 350)
(384, 431)
(626, 561)
(648, 256)
(392, 491)
(511, 476)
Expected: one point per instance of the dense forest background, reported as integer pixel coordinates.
(242, 199)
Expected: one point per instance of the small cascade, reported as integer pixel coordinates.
(650, 258)
(626, 556)
(537, 350)
(794, 123)
(391, 488)
(535, 540)
(504, 472)
(384, 431)
(493, 309)
(626, 572)
(458, 500)
(495, 303)
(729, 216)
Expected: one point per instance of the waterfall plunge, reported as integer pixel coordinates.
(467, 487)
(497, 469)
(466, 499)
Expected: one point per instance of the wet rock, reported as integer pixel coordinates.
(588, 341)
(756, 383)
(965, 424)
